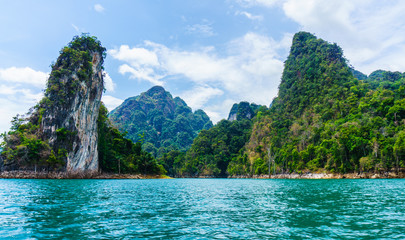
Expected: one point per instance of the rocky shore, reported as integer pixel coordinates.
(65, 175)
(97, 175)
(364, 175)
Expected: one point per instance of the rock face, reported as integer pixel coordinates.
(243, 110)
(162, 122)
(72, 102)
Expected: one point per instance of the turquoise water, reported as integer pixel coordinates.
(202, 209)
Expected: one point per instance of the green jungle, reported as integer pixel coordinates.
(327, 117)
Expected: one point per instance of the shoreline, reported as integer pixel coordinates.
(65, 175)
(364, 175)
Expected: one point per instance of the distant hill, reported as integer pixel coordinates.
(213, 149)
(162, 122)
(243, 110)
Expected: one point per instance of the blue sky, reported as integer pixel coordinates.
(211, 53)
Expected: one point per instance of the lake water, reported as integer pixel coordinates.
(202, 209)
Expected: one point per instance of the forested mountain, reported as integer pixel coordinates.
(327, 117)
(324, 118)
(216, 152)
(161, 122)
(117, 154)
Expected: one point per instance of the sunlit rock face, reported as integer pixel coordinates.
(73, 98)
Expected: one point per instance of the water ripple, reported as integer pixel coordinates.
(202, 209)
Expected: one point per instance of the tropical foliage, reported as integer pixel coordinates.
(118, 154)
(162, 122)
(27, 145)
(327, 117)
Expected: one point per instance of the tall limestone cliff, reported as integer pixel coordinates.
(60, 133)
(74, 93)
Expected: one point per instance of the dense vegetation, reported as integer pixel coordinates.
(211, 152)
(162, 122)
(327, 117)
(27, 145)
(23, 148)
(118, 154)
(216, 152)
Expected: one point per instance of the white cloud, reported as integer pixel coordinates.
(8, 110)
(111, 102)
(250, 16)
(99, 8)
(109, 84)
(135, 56)
(250, 71)
(142, 73)
(20, 89)
(197, 97)
(23, 75)
(203, 29)
(371, 33)
(220, 111)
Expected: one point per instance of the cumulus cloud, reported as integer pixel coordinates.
(111, 102)
(135, 56)
(141, 73)
(109, 84)
(20, 89)
(23, 75)
(370, 32)
(99, 8)
(220, 111)
(8, 110)
(198, 96)
(250, 70)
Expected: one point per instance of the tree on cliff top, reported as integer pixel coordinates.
(326, 119)
(32, 144)
(26, 145)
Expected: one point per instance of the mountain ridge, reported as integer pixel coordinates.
(164, 123)
(324, 119)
